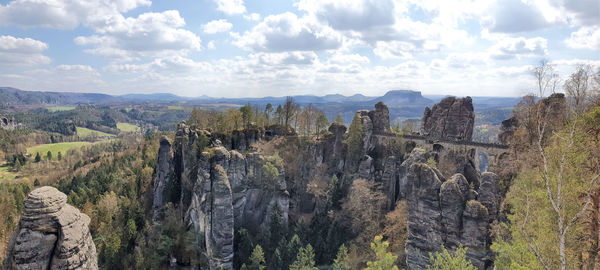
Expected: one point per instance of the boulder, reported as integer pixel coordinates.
(51, 235)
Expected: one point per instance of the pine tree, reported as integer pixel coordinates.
(268, 112)
(38, 158)
(276, 261)
(305, 259)
(335, 192)
(276, 228)
(443, 260)
(49, 155)
(59, 157)
(385, 260)
(243, 247)
(321, 124)
(355, 142)
(339, 120)
(293, 248)
(17, 165)
(341, 261)
(257, 259)
(247, 115)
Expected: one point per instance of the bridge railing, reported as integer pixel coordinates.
(459, 142)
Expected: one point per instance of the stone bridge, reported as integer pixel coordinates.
(485, 154)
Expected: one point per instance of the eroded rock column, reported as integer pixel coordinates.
(51, 235)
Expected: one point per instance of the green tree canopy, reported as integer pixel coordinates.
(385, 260)
(305, 259)
(341, 262)
(445, 260)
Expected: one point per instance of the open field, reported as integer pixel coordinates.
(5, 174)
(84, 132)
(60, 108)
(55, 148)
(126, 127)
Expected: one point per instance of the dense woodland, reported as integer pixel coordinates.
(550, 214)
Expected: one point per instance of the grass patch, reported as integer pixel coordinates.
(60, 108)
(175, 107)
(85, 132)
(55, 148)
(126, 127)
(5, 174)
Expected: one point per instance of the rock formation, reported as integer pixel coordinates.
(425, 233)
(163, 169)
(447, 212)
(224, 182)
(219, 189)
(380, 118)
(51, 235)
(6, 123)
(507, 129)
(452, 119)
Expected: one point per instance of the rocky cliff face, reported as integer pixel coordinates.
(223, 183)
(452, 118)
(448, 212)
(51, 235)
(219, 189)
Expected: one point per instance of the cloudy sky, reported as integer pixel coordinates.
(249, 48)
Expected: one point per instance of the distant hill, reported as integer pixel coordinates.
(403, 97)
(11, 96)
(403, 104)
(160, 97)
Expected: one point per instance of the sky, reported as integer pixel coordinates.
(255, 48)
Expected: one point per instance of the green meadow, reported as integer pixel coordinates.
(85, 132)
(55, 148)
(60, 108)
(126, 127)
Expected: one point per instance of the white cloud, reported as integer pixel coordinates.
(22, 52)
(512, 16)
(585, 38)
(148, 35)
(217, 26)
(287, 58)
(73, 78)
(231, 7)
(583, 12)
(349, 59)
(252, 17)
(64, 14)
(287, 32)
(394, 49)
(351, 15)
(460, 61)
(165, 65)
(509, 48)
(211, 45)
(384, 25)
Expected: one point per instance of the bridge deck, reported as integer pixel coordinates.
(468, 143)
